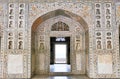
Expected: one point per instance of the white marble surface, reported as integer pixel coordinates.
(78, 61)
(105, 64)
(61, 77)
(60, 68)
(104, 68)
(41, 61)
(15, 64)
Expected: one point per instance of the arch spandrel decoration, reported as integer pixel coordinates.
(60, 26)
(57, 12)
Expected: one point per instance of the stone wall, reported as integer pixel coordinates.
(118, 35)
(2, 40)
(18, 17)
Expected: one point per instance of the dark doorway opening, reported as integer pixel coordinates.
(60, 54)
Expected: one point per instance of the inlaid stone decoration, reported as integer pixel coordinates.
(98, 15)
(21, 18)
(11, 17)
(10, 44)
(20, 40)
(99, 44)
(108, 14)
(109, 40)
(26, 28)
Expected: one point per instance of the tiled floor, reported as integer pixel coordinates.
(60, 77)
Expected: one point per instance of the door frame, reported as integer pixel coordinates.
(52, 45)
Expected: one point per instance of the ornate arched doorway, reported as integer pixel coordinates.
(46, 27)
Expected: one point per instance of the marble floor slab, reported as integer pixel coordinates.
(60, 77)
(60, 68)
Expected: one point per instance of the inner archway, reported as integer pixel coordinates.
(41, 33)
(60, 54)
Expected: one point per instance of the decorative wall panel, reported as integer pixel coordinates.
(15, 67)
(108, 13)
(105, 64)
(99, 42)
(21, 18)
(109, 44)
(98, 16)
(11, 13)
(104, 38)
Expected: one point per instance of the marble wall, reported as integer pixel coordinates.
(77, 43)
(99, 20)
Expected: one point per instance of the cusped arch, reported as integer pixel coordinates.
(58, 12)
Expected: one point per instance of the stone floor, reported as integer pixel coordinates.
(60, 77)
(60, 68)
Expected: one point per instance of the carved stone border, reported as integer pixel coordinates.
(16, 52)
(102, 52)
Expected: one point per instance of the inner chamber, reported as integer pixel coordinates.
(60, 54)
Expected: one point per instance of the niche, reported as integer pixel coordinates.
(21, 11)
(20, 45)
(20, 24)
(10, 45)
(11, 5)
(98, 44)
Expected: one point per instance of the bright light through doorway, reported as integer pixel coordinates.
(60, 60)
(60, 53)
